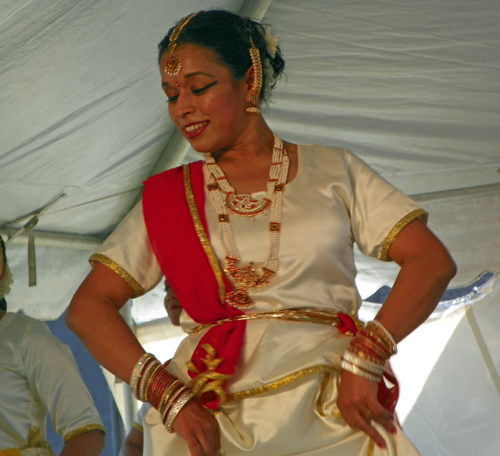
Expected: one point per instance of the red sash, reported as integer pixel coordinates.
(173, 206)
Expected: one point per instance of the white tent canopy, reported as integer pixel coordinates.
(411, 87)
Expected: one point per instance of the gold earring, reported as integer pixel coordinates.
(173, 65)
(257, 68)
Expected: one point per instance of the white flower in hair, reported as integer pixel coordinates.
(271, 41)
(272, 47)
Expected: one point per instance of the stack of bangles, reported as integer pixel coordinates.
(151, 382)
(369, 351)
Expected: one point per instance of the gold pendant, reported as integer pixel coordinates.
(246, 205)
(239, 299)
(245, 278)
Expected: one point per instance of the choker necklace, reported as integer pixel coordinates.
(247, 277)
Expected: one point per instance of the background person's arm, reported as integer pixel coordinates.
(88, 443)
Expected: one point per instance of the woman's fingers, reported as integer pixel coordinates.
(360, 407)
(199, 429)
(382, 416)
(366, 426)
(362, 422)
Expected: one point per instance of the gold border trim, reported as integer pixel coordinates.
(301, 314)
(137, 426)
(279, 383)
(106, 261)
(90, 427)
(200, 231)
(324, 383)
(371, 448)
(10, 452)
(403, 223)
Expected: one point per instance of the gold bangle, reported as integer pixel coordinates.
(386, 335)
(137, 371)
(371, 367)
(359, 372)
(148, 378)
(181, 402)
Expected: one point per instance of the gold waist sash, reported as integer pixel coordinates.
(35, 440)
(301, 314)
(10, 452)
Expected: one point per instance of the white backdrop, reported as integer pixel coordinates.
(411, 87)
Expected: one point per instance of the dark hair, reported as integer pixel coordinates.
(228, 36)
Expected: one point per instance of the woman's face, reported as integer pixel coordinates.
(204, 100)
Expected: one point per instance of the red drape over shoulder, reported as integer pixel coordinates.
(173, 207)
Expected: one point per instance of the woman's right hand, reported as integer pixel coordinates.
(199, 428)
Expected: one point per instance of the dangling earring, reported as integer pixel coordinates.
(257, 68)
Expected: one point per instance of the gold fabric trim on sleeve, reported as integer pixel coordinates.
(90, 427)
(106, 261)
(137, 426)
(403, 223)
(278, 383)
(200, 231)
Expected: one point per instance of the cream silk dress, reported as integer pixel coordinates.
(283, 397)
(38, 375)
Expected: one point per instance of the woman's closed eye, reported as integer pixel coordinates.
(203, 89)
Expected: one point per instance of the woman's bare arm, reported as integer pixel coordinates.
(426, 270)
(133, 443)
(88, 443)
(94, 317)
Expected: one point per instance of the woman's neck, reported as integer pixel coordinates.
(255, 142)
(247, 168)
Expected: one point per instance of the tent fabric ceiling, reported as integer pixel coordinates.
(411, 87)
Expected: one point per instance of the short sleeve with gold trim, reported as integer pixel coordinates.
(379, 211)
(128, 252)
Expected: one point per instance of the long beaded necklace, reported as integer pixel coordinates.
(217, 184)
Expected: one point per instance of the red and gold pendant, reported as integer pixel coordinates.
(245, 278)
(246, 205)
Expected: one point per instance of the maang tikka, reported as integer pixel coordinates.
(257, 86)
(173, 65)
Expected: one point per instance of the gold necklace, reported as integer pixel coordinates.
(216, 181)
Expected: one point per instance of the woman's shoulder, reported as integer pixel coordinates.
(319, 151)
(326, 158)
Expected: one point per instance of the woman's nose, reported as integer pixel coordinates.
(183, 106)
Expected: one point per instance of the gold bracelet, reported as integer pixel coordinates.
(359, 372)
(137, 371)
(386, 335)
(371, 367)
(181, 402)
(148, 377)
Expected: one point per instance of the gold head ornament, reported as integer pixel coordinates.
(173, 65)
(257, 86)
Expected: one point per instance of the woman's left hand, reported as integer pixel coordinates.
(199, 428)
(359, 406)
